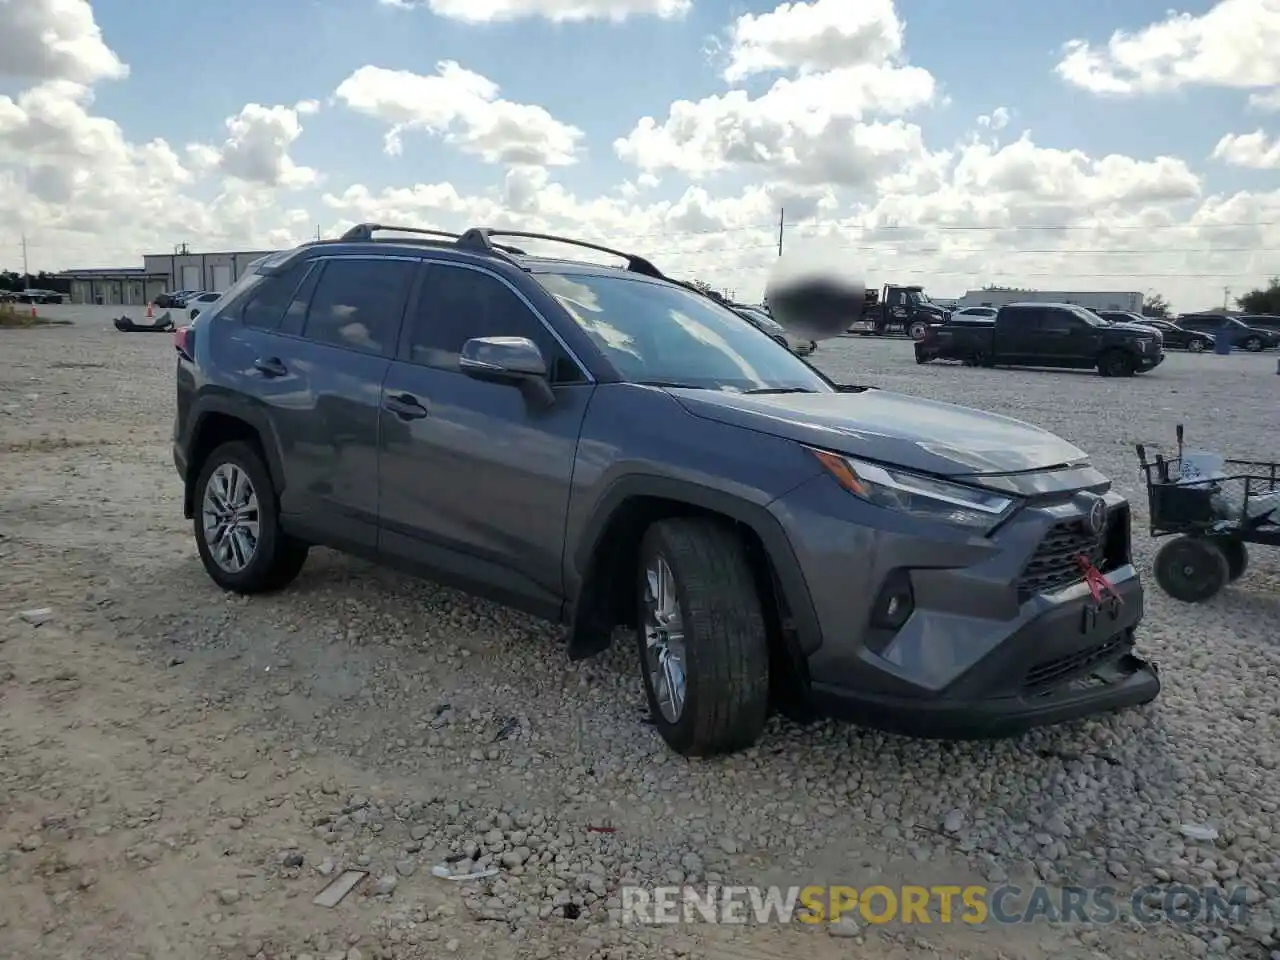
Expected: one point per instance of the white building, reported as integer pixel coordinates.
(214, 271)
(1092, 299)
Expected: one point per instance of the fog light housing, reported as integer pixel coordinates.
(894, 604)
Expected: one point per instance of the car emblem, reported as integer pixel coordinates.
(1097, 515)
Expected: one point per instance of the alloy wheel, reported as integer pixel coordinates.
(230, 518)
(665, 649)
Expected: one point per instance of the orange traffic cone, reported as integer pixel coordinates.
(33, 310)
(148, 311)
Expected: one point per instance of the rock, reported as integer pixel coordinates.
(1198, 832)
(845, 927)
(385, 886)
(30, 843)
(954, 821)
(228, 896)
(293, 859)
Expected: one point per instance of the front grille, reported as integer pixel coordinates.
(1054, 565)
(1050, 673)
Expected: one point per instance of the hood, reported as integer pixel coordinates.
(1135, 328)
(892, 428)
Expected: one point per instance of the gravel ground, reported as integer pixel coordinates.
(181, 771)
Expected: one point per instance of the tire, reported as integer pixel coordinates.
(1237, 555)
(1115, 363)
(1192, 569)
(976, 359)
(918, 330)
(725, 642)
(1253, 344)
(276, 558)
(1196, 346)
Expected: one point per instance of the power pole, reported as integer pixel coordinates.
(782, 219)
(1226, 295)
(26, 273)
(317, 231)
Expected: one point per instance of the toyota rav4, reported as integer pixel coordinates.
(600, 446)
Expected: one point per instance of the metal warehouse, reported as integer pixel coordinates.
(1091, 299)
(213, 272)
(135, 286)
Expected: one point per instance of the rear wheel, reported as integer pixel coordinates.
(1192, 569)
(701, 638)
(237, 523)
(1253, 344)
(1115, 363)
(1196, 346)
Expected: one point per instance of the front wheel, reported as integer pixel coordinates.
(1253, 344)
(701, 637)
(1196, 346)
(918, 330)
(1192, 569)
(237, 524)
(1115, 363)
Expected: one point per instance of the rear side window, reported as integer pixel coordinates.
(266, 302)
(1056, 321)
(358, 304)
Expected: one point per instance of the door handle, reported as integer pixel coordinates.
(270, 367)
(405, 406)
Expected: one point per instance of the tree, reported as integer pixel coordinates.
(1156, 306)
(1266, 300)
(701, 286)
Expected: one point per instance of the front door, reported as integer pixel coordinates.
(474, 477)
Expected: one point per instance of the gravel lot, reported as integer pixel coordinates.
(180, 772)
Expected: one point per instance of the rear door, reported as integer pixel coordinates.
(319, 373)
(474, 477)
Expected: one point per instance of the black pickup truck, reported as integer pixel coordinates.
(1046, 335)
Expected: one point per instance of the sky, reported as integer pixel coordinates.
(951, 143)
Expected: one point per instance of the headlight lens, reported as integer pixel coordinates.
(923, 497)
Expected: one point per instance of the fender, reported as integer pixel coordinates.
(232, 406)
(755, 516)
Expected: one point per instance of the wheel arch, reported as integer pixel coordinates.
(215, 422)
(608, 554)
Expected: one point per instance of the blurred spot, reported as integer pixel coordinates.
(816, 291)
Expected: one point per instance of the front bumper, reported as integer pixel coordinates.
(1001, 637)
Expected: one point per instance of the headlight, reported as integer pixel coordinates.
(923, 497)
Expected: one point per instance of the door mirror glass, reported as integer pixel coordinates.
(502, 359)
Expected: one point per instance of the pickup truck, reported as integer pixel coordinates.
(1045, 335)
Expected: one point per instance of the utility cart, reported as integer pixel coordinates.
(1212, 507)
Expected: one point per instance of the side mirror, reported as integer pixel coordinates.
(514, 361)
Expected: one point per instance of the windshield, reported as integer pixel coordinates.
(1089, 317)
(918, 297)
(660, 333)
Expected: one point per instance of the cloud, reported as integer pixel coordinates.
(557, 11)
(462, 107)
(1232, 45)
(1255, 151)
(45, 40)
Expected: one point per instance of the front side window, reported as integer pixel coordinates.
(664, 334)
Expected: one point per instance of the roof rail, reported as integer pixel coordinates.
(481, 238)
(364, 232)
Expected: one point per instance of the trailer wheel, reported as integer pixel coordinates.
(1237, 555)
(1192, 569)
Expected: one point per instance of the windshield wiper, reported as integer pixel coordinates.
(780, 390)
(670, 384)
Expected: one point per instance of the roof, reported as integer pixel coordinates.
(110, 272)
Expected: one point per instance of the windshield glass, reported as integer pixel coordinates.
(655, 332)
(1089, 317)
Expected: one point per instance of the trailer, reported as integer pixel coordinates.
(1127, 300)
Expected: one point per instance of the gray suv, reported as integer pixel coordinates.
(600, 446)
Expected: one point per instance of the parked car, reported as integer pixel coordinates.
(1046, 335)
(1253, 339)
(1261, 321)
(176, 299)
(762, 320)
(33, 295)
(602, 446)
(977, 313)
(199, 302)
(1172, 334)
